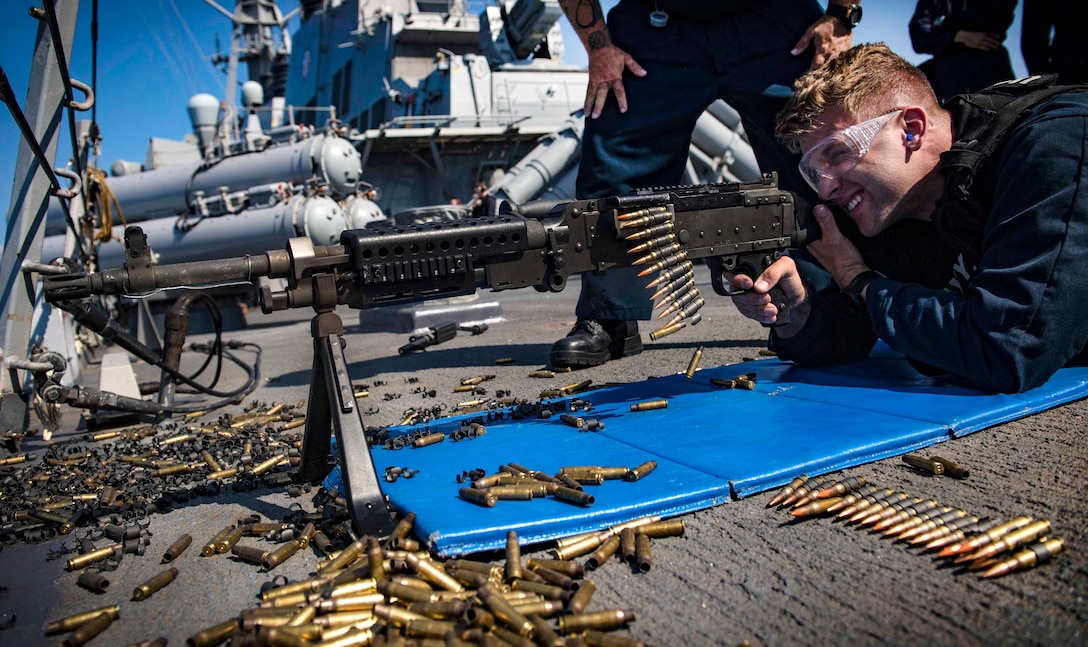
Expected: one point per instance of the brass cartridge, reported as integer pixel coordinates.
(210, 461)
(1034, 555)
(573, 496)
(375, 557)
(986, 538)
(643, 556)
(586, 544)
(483, 497)
(600, 639)
(602, 555)
(268, 464)
(396, 616)
(924, 464)
(64, 524)
(668, 528)
(210, 547)
(439, 609)
(96, 555)
(642, 470)
(148, 588)
(818, 506)
(94, 581)
(215, 634)
(664, 251)
(403, 527)
(223, 474)
(543, 634)
(359, 602)
(610, 619)
(250, 554)
(87, 631)
(344, 557)
(503, 611)
(650, 405)
(580, 599)
(511, 493)
(227, 542)
(512, 570)
(555, 578)
(71, 622)
(567, 567)
(274, 558)
(433, 573)
(952, 468)
(627, 545)
(429, 439)
(693, 365)
(1010, 541)
(841, 487)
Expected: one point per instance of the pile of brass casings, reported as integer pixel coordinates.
(519, 483)
(988, 546)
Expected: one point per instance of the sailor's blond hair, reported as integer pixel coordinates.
(865, 81)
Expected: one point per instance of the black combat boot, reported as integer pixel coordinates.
(593, 342)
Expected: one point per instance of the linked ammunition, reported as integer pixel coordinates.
(1009, 542)
(674, 260)
(676, 286)
(864, 502)
(610, 619)
(678, 303)
(985, 538)
(653, 243)
(639, 472)
(687, 311)
(841, 487)
(652, 231)
(148, 588)
(951, 468)
(787, 489)
(661, 252)
(650, 405)
(644, 217)
(877, 507)
(810, 485)
(87, 631)
(924, 464)
(942, 531)
(819, 506)
(889, 520)
(1032, 556)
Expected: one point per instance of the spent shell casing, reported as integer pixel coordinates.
(650, 405)
(274, 558)
(585, 545)
(608, 619)
(94, 581)
(88, 630)
(503, 611)
(481, 496)
(665, 331)
(603, 553)
(573, 496)
(658, 529)
(533, 588)
(405, 593)
(565, 566)
(429, 439)
(512, 569)
(693, 365)
(924, 464)
(1032, 556)
(580, 599)
(226, 543)
(639, 472)
(627, 545)
(250, 554)
(215, 634)
(375, 557)
(433, 573)
(148, 588)
(643, 555)
(96, 555)
(209, 548)
(74, 621)
(952, 468)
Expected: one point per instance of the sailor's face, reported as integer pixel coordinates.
(872, 186)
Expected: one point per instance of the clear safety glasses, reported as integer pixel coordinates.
(834, 156)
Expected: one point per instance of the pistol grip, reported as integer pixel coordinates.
(778, 298)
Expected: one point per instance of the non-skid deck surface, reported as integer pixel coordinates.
(710, 444)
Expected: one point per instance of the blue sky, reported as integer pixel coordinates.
(154, 54)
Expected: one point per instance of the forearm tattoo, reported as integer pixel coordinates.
(597, 40)
(585, 13)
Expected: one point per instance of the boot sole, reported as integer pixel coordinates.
(620, 348)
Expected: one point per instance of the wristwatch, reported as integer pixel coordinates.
(849, 15)
(857, 286)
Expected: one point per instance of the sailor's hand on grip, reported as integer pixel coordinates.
(776, 297)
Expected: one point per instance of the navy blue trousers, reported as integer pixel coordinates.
(744, 60)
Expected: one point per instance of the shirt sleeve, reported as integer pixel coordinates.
(1024, 314)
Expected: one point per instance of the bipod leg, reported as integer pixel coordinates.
(332, 408)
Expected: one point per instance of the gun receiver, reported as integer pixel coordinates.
(737, 228)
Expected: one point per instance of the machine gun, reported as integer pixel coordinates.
(737, 228)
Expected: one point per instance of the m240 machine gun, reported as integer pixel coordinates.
(736, 228)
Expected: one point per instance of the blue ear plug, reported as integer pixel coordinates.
(910, 137)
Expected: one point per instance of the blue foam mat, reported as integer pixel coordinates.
(710, 443)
